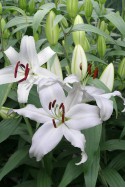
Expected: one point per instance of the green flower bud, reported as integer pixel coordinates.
(52, 32)
(102, 1)
(64, 22)
(22, 4)
(36, 36)
(4, 113)
(79, 62)
(54, 66)
(86, 45)
(88, 8)
(121, 69)
(3, 23)
(78, 36)
(72, 7)
(107, 77)
(101, 46)
(6, 34)
(103, 26)
(0, 8)
(31, 7)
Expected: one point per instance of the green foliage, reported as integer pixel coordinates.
(105, 144)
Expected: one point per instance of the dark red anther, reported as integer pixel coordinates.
(16, 69)
(53, 104)
(61, 105)
(89, 69)
(50, 105)
(23, 66)
(63, 118)
(54, 123)
(95, 75)
(27, 69)
(63, 109)
(80, 66)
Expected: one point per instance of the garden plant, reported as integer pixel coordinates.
(62, 100)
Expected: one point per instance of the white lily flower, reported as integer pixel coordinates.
(107, 77)
(91, 93)
(103, 100)
(79, 62)
(25, 67)
(62, 116)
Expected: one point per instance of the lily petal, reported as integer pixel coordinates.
(74, 97)
(12, 55)
(44, 140)
(7, 75)
(23, 91)
(50, 93)
(77, 139)
(28, 52)
(36, 114)
(106, 107)
(45, 55)
(71, 79)
(83, 116)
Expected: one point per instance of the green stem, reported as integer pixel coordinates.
(65, 50)
(29, 127)
(123, 9)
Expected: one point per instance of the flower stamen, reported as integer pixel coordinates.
(53, 104)
(54, 123)
(95, 75)
(16, 69)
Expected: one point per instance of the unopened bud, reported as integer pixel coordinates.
(0, 8)
(52, 32)
(78, 36)
(101, 46)
(86, 45)
(36, 36)
(54, 66)
(102, 1)
(79, 62)
(107, 77)
(64, 22)
(103, 26)
(121, 69)
(72, 7)
(31, 6)
(88, 8)
(22, 4)
(3, 23)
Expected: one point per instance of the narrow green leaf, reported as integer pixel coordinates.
(38, 17)
(92, 136)
(118, 162)
(58, 19)
(19, 20)
(4, 91)
(116, 53)
(14, 161)
(118, 21)
(43, 179)
(92, 173)
(113, 178)
(15, 8)
(72, 171)
(7, 127)
(115, 144)
(90, 28)
(91, 57)
(24, 26)
(48, 6)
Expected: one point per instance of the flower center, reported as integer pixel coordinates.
(25, 68)
(58, 112)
